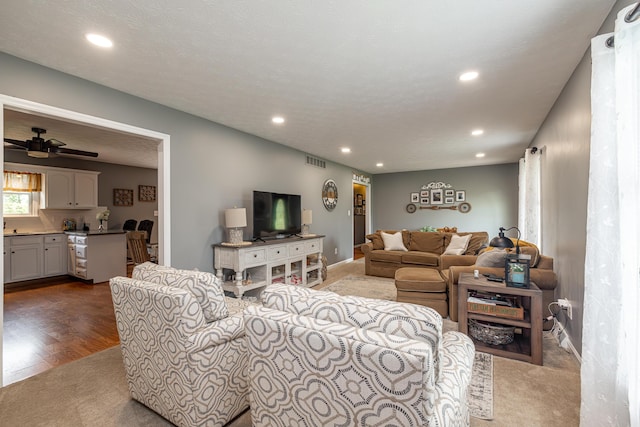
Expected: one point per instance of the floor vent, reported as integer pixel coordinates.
(314, 161)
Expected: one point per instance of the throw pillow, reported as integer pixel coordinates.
(393, 242)
(376, 240)
(494, 258)
(458, 245)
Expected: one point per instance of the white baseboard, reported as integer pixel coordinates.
(339, 263)
(565, 342)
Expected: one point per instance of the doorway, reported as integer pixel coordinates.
(359, 218)
(163, 140)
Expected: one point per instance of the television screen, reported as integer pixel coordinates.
(276, 215)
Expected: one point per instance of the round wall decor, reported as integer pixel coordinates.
(329, 194)
(464, 207)
(411, 208)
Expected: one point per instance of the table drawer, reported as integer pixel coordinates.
(297, 249)
(312, 247)
(81, 272)
(277, 252)
(255, 256)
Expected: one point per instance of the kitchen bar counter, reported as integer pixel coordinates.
(94, 232)
(74, 232)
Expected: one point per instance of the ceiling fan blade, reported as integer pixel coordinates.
(55, 142)
(60, 150)
(23, 144)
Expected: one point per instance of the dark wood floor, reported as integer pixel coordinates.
(357, 253)
(49, 326)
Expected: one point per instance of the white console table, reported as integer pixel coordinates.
(293, 260)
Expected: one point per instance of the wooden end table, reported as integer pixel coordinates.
(526, 346)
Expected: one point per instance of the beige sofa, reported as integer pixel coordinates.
(425, 249)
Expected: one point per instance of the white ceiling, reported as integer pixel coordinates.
(380, 77)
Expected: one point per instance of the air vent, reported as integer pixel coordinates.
(314, 161)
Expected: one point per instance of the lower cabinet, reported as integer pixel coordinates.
(97, 257)
(34, 257)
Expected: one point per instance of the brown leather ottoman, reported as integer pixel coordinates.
(424, 286)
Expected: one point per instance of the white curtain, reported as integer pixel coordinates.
(610, 346)
(529, 197)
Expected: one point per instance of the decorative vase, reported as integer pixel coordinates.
(101, 226)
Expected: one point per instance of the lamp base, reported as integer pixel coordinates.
(305, 229)
(235, 236)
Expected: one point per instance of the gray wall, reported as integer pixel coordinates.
(565, 139)
(492, 192)
(111, 176)
(213, 167)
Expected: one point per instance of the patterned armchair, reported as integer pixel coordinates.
(184, 354)
(317, 358)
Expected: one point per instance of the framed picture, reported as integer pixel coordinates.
(449, 193)
(424, 193)
(147, 193)
(358, 200)
(122, 197)
(448, 200)
(424, 200)
(460, 196)
(436, 197)
(415, 197)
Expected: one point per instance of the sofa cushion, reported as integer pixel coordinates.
(479, 239)
(393, 242)
(425, 241)
(376, 240)
(204, 286)
(491, 258)
(421, 258)
(458, 245)
(386, 256)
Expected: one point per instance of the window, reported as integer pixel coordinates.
(18, 203)
(21, 193)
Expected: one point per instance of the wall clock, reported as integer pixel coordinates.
(329, 194)
(411, 208)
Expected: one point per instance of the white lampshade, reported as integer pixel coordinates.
(306, 216)
(236, 217)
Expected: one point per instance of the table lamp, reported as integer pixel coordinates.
(500, 241)
(306, 221)
(235, 219)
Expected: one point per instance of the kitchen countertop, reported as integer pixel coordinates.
(75, 233)
(94, 232)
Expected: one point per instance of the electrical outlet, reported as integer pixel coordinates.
(566, 305)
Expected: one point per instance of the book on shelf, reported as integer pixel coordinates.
(508, 308)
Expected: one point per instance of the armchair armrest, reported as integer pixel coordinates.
(447, 261)
(456, 362)
(216, 333)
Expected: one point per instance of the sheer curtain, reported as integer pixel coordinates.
(610, 345)
(529, 196)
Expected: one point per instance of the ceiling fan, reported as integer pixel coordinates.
(40, 148)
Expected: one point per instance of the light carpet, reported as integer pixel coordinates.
(481, 387)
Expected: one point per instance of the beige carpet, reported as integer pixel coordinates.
(481, 387)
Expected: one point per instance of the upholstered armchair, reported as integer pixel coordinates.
(317, 358)
(184, 354)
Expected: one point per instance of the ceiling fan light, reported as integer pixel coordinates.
(38, 154)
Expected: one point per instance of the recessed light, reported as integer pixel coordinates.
(278, 120)
(477, 132)
(379, 165)
(469, 75)
(480, 155)
(345, 149)
(98, 40)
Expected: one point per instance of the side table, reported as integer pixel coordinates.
(526, 346)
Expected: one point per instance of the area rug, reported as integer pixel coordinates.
(480, 396)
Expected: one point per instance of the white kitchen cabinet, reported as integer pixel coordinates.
(71, 189)
(26, 257)
(55, 255)
(7, 260)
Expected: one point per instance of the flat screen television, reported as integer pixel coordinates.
(276, 215)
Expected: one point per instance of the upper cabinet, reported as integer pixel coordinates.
(71, 189)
